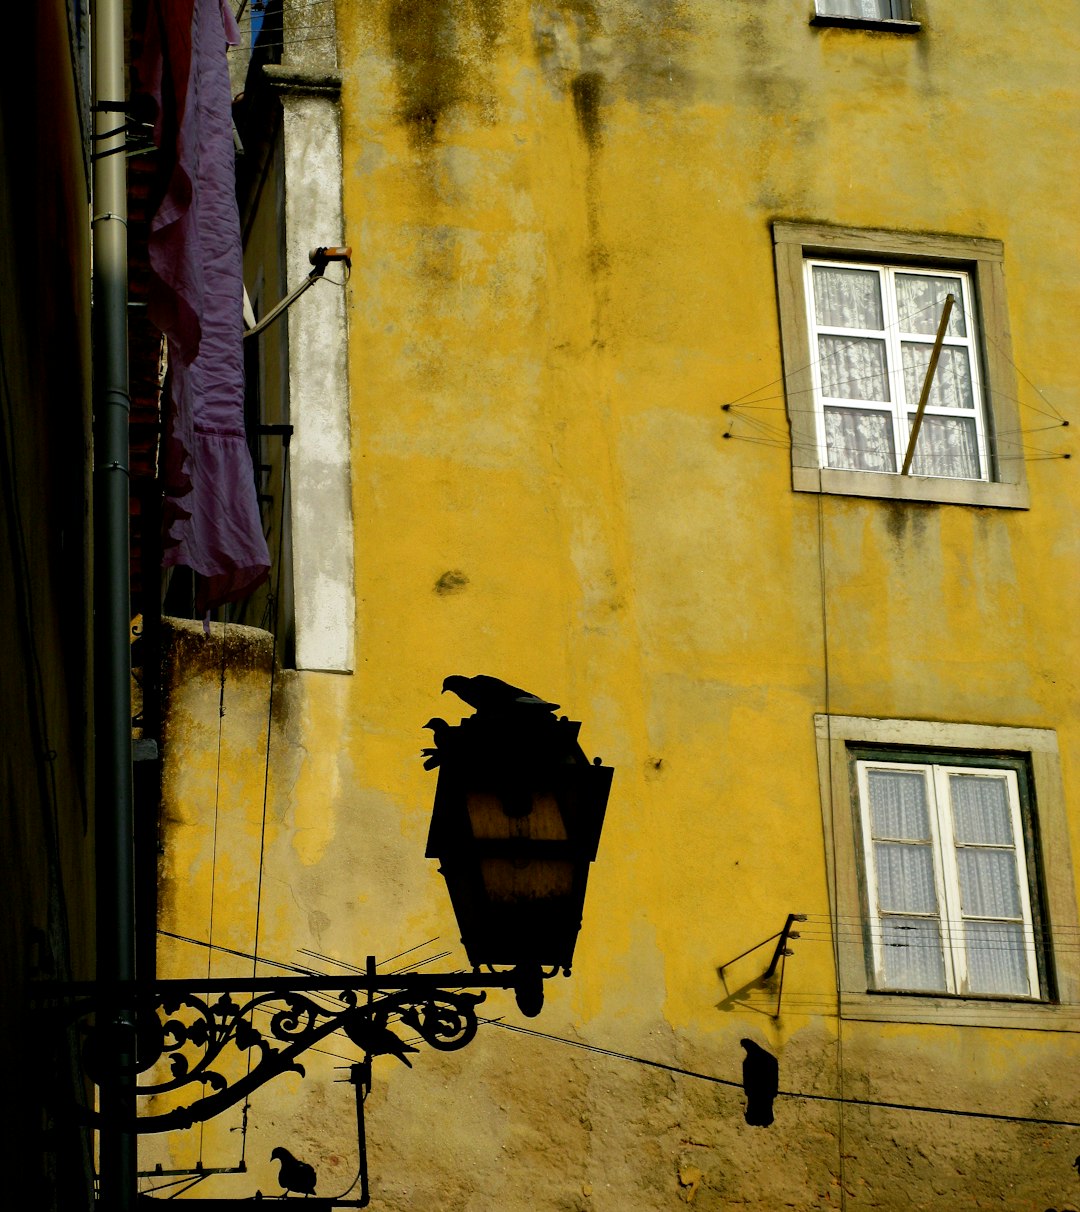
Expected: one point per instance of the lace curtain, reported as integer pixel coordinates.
(989, 884)
(986, 872)
(857, 367)
(880, 10)
(911, 946)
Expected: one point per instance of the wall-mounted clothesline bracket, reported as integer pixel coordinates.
(320, 258)
(780, 952)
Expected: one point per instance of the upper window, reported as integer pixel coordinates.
(868, 11)
(859, 314)
(874, 329)
(949, 886)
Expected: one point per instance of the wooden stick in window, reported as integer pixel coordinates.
(935, 353)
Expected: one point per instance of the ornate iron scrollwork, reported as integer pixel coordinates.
(225, 1046)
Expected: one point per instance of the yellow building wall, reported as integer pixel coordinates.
(560, 216)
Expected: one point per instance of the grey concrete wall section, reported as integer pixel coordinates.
(321, 506)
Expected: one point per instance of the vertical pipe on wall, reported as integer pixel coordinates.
(114, 831)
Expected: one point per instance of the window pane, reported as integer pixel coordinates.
(905, 878)
(919, 302)
(847, 298)
(874, 10)
(947, 446)
(911, 950)
(988, 885)
(951, 387)
(996, 959)
(853, 368)
(859, 440)
(981, 813)
(898, 805)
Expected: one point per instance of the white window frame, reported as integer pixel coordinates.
(949, 916)
(839, 739)
(984, 261)
(899, 407)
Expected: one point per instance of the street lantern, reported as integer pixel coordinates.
(516, 823)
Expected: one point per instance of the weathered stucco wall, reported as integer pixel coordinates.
(563, 270)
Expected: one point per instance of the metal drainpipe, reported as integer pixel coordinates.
(114, 813)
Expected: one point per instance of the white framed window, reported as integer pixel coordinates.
(947, 879)
(873, 330)
(1023, 820)
(859, 309)
(865, 10)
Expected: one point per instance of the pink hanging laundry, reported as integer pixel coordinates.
(211, 519)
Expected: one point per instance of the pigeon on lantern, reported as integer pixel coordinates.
(490, 695)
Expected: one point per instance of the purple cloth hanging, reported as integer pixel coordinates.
(211, 513)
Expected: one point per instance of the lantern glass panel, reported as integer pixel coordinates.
(490, 820)
(509, 881)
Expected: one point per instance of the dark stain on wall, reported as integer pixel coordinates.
(428, 71)
(587, 91)
(906, 523)
(439, 52)
(452, 581)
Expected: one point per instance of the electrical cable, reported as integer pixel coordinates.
(795, 1094)
(266, 760)
(830, 840)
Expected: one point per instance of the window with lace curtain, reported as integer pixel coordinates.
(948, 859)
(949, 887)
(859, 312)
(873, 330)
(865, 10)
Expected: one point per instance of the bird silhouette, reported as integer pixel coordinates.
(490, 694)
(761, 1081)
(294, 1175)
(377, 1039)
(441, 732)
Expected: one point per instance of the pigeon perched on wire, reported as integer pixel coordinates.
(295, 1175)
(377, 1039)
(761, 1081)
(490, 694)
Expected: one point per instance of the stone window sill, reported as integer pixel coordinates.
(882, 1007)
(909, 488)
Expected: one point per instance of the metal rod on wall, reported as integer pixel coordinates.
(928, 380)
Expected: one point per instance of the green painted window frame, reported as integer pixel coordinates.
(842, 741)
(794, 244)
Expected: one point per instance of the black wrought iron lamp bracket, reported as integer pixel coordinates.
(206, 1035)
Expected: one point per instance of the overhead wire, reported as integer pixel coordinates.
(830, 839)
(272, 596)
(214, 844)
(809, 1096)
